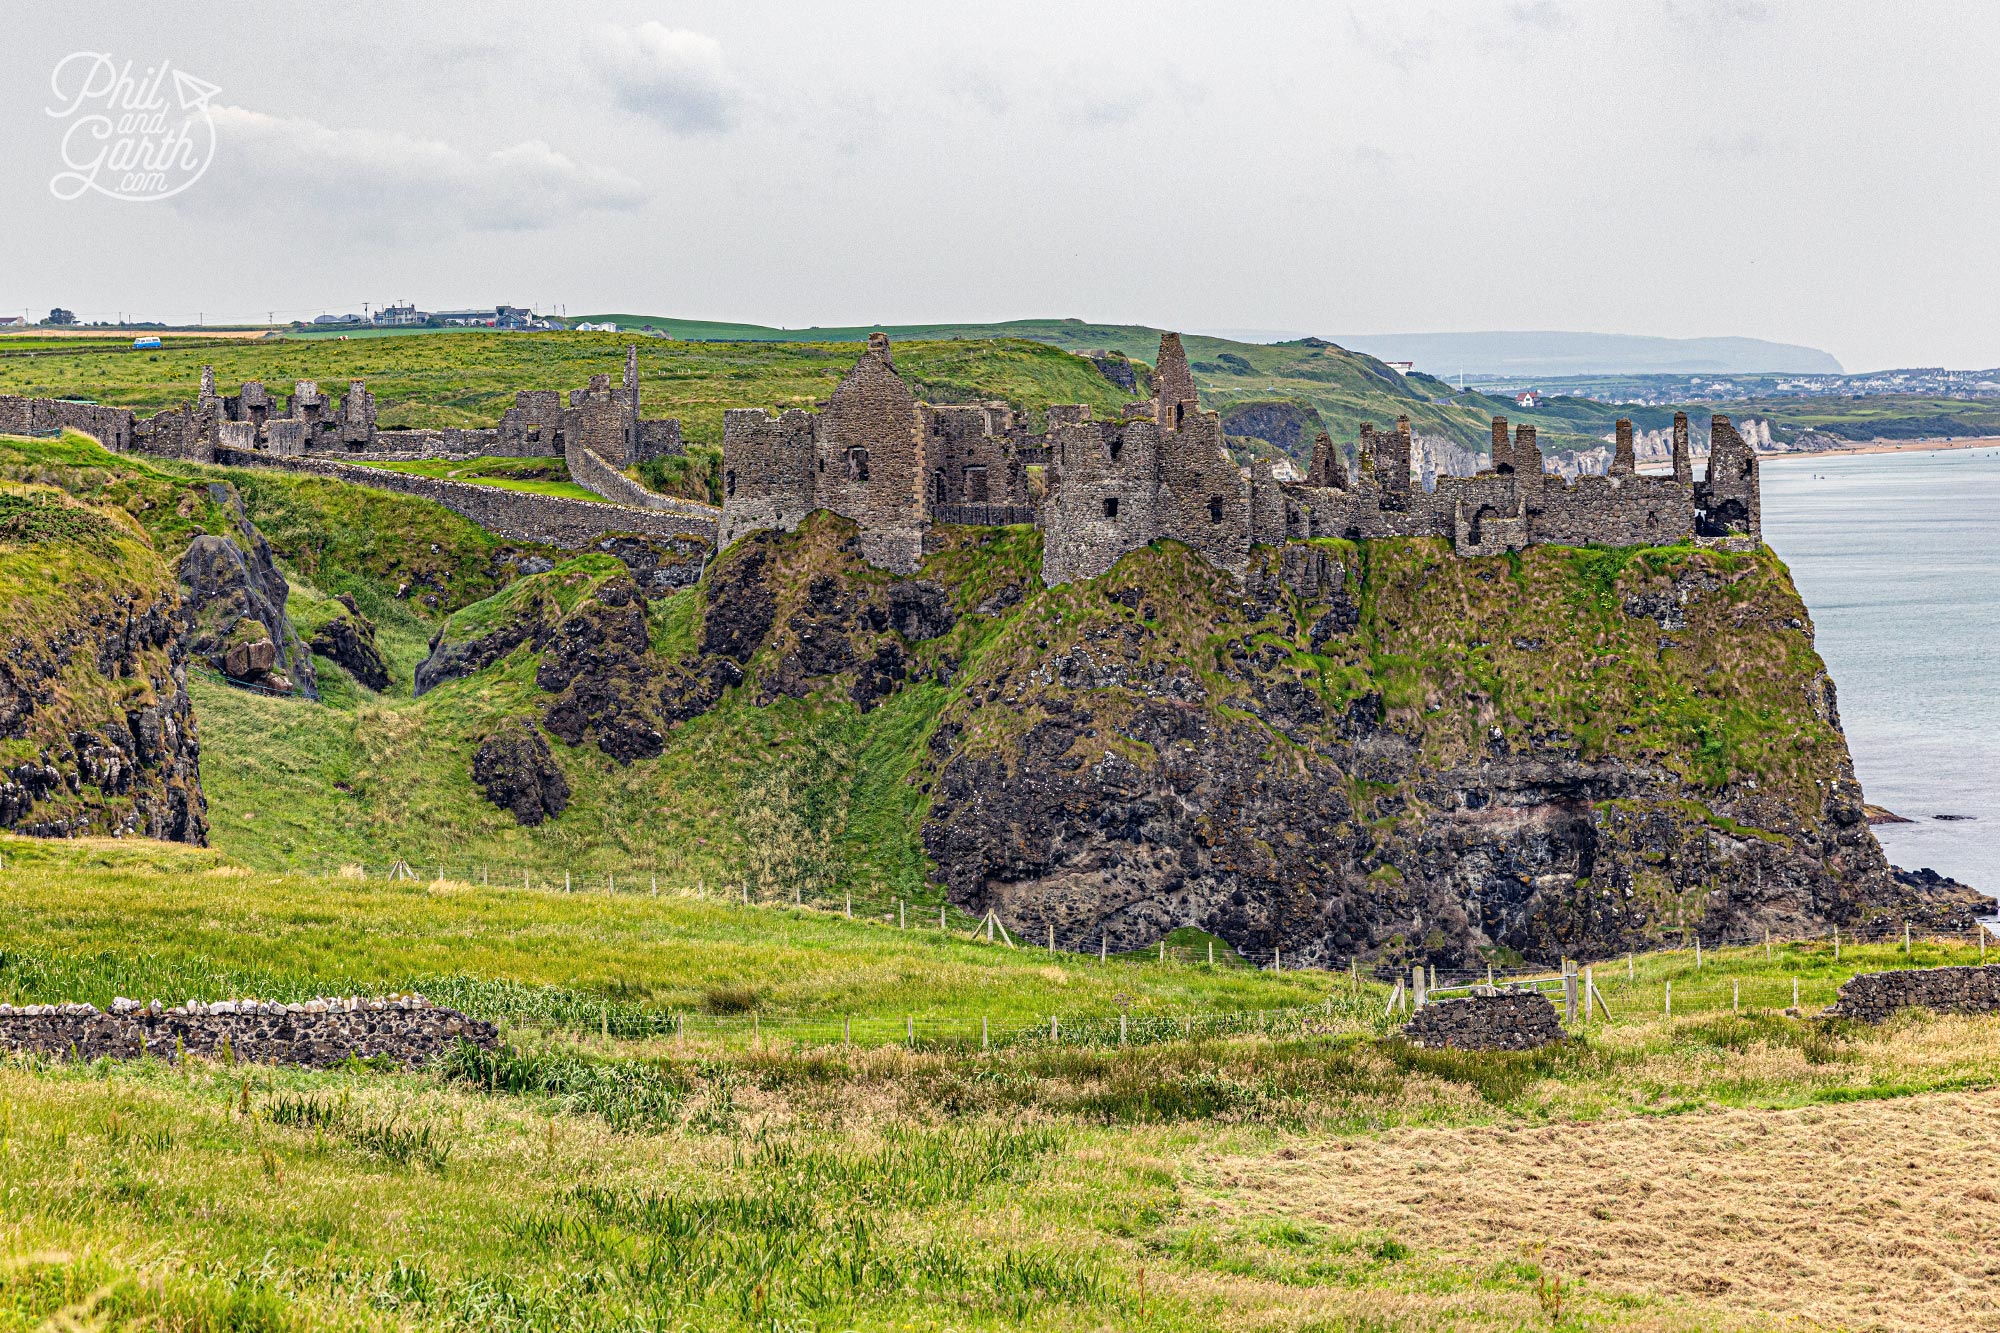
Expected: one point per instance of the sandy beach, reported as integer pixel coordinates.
(1889, 447)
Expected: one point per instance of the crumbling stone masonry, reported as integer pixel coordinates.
(1873, 996)
(876, 455)
(1487, 1021)
(318, 1033)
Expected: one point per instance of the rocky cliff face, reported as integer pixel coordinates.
(96, 732)
(1376, 751)
(1383, 751)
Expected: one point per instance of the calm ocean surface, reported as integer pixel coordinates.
(1896, 556)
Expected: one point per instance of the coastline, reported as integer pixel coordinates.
(1887, 447)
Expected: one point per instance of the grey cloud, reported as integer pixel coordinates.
(386, 183)
(675, 77)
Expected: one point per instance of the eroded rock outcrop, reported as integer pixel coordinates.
(349, 640)
(94, 713)
(515, 770)
(1382, 751)
(236, 604)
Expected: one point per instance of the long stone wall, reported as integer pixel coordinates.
(1504, 1021)
(319, 1033)
(1873, 996)
(592, 473)
(520, 515)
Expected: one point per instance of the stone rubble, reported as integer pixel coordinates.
(1873, 996)
(1489, 1020)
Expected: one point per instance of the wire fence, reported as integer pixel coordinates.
(1677, 977)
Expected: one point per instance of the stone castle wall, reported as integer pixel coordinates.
(1874, 996)
(589, 471)
(520, 515)
(319, 1034)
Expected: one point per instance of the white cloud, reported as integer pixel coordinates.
(670, 75)
(392, 183)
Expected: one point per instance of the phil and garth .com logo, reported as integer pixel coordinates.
(131, 136)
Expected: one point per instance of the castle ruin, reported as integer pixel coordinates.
(875, 454)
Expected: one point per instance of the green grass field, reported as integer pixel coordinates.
(781, 1178)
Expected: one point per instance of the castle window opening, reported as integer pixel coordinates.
(729, 482)
(1117, 448)
(1215, 509)
(857, 464)
(1180, 412)
(975, 485)
(1111, 506)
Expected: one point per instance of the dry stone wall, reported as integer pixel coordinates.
(1496, 1021)
(317, 1033)
(519, 515)
(1874, 996)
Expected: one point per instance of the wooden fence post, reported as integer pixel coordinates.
(982, 1032)
(1906, 939)
(1836, 944)
(1569, 993)
(1052, 939)
(1055, 1033)
(565, 881)
(1589, 984)
(902, 915)
(1670, 999)
(1395, 998)
(1628, 965)
(1767, 939)
(847, 1030)
(1736, 996)
(1417, 993)
(1103, 943)
(847, 906)
(1163, 948)
(941, 925)
(1697, 953)
(1795, 992)
(1121, 1027)
(910, 1029)
(1211, 953)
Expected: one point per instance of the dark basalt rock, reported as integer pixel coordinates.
(1118, 794)
(531, 623)
(236, 605)
(515, 770)
(659, 566)
(600, 661)
(741, 603)
(350, 641)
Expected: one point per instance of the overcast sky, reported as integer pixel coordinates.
(1822, 172)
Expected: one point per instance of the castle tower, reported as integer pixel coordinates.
(1395, 467)
(207, 384)
(1527, 456)
(1729, 498)
(1623, 461)
(1173, 384)
(1683, 461)
(1503, 449)
(1328, 469)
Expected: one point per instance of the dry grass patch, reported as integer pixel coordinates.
(1872, 1215)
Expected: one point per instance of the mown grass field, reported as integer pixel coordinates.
(1712, 1171)
(469, 379)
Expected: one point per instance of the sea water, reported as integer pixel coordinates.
(1896, 556)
